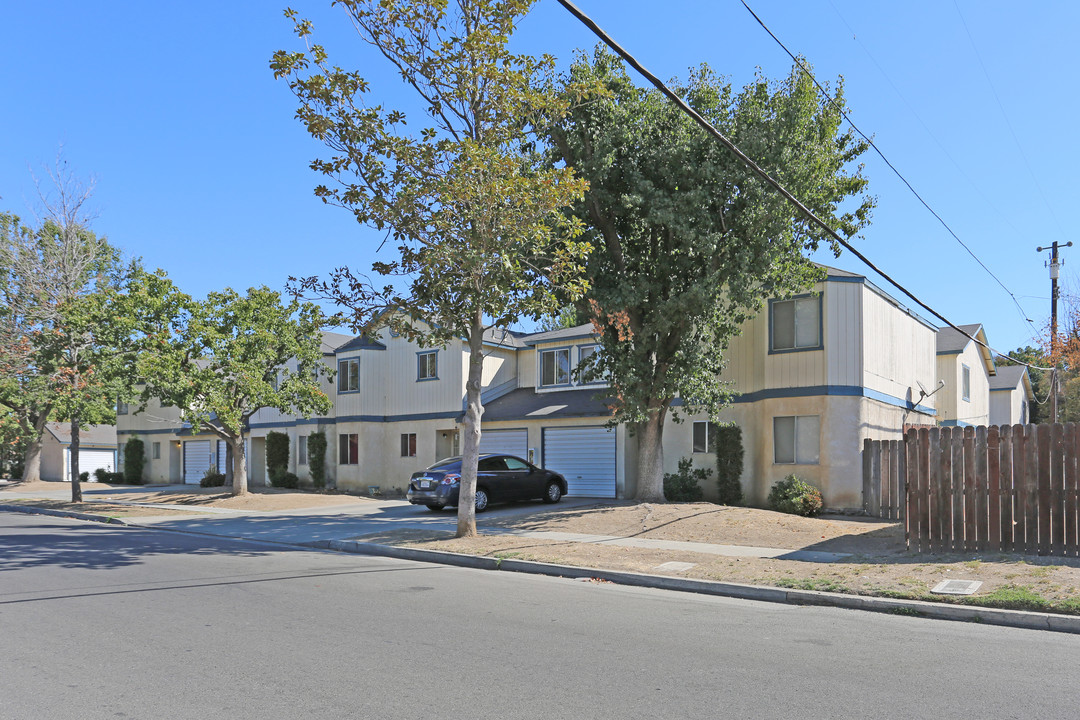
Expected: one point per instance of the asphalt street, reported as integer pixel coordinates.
(100, 621)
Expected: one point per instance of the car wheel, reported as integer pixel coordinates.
(481, 500)
(554, 493)
(435, 508)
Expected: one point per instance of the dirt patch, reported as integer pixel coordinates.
(100, 508)
(878, 564)
(257, 499)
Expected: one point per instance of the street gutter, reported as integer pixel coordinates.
(1026, 619)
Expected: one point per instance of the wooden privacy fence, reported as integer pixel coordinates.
(997, 489)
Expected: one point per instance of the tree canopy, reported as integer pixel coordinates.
(475, 212)
(223, 359)
(689, 243)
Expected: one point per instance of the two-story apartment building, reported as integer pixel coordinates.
(966, 367)
(815, 375)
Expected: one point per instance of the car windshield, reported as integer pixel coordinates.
(447, 464)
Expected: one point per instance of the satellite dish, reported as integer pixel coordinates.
(922, 388)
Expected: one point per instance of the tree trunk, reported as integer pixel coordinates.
(32, 456)
(32, 461)
(240, 479)
(651, 456)
(474, 409)
(228, 463)
(76, 486)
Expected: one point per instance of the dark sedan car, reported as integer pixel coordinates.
(499, 478)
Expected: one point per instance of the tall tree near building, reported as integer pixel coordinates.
(223, 359)
(51, 354)
(475, 212)
(689, 243)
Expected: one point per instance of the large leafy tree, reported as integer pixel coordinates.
(223, 359)
(689, 243)
(474, 211)
(52, 361)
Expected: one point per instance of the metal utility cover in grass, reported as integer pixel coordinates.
(675, 566)
(957, 587)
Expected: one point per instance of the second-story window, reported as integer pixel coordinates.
(555, 367)
(966, 381)
(427, 365)
(348, 378)
(795, 324)
(121, 408)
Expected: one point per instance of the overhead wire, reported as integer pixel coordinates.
(802, 66)
(1008, 124)
(768, 179)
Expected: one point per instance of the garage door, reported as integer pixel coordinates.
(509, 442)
(196, 460)
(585, 456)
(89, 461)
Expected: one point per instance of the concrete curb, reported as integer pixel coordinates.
(31, 510)
(920, 608)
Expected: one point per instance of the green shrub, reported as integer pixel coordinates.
(119, 478)
(316, 450)
(84, 476)
(685, 484)
(287, 480)
(134, 460)
(729, 464)
(277, 455)
(102, 475)
(212, 478)
(795, 497)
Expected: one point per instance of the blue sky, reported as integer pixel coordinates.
(201, 169)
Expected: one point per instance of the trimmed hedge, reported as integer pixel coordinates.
(277, 455)
(134, 461)
(212, 478)
(729, 464)
(316, 449)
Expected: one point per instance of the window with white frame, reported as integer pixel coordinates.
(965, 381)
(796, 440)
(408, 444)
(155, 451)
(586, 358)
(704, 436)
(301, 450)
(555, 367)
(795, 324)
(348, 449)
(427, 365)
(348, 379)
(1023, 412)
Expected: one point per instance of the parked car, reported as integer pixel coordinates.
(499, 478)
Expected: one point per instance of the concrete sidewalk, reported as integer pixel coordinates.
(344, 531)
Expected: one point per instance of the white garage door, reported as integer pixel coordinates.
(89, 461)
(585, 456)
(509, 442)
(196, 460)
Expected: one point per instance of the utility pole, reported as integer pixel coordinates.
(1055, 271)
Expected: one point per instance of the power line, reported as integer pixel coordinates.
(997, 98)
(802, 66)
(757, 170)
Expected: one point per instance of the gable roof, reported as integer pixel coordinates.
(951, 342)
(577, 332)
(526, 403)
(1009, 377)
(361, 342)
(331, 341)
(89, 435)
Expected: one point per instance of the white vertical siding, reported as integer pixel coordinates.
(898, 350)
